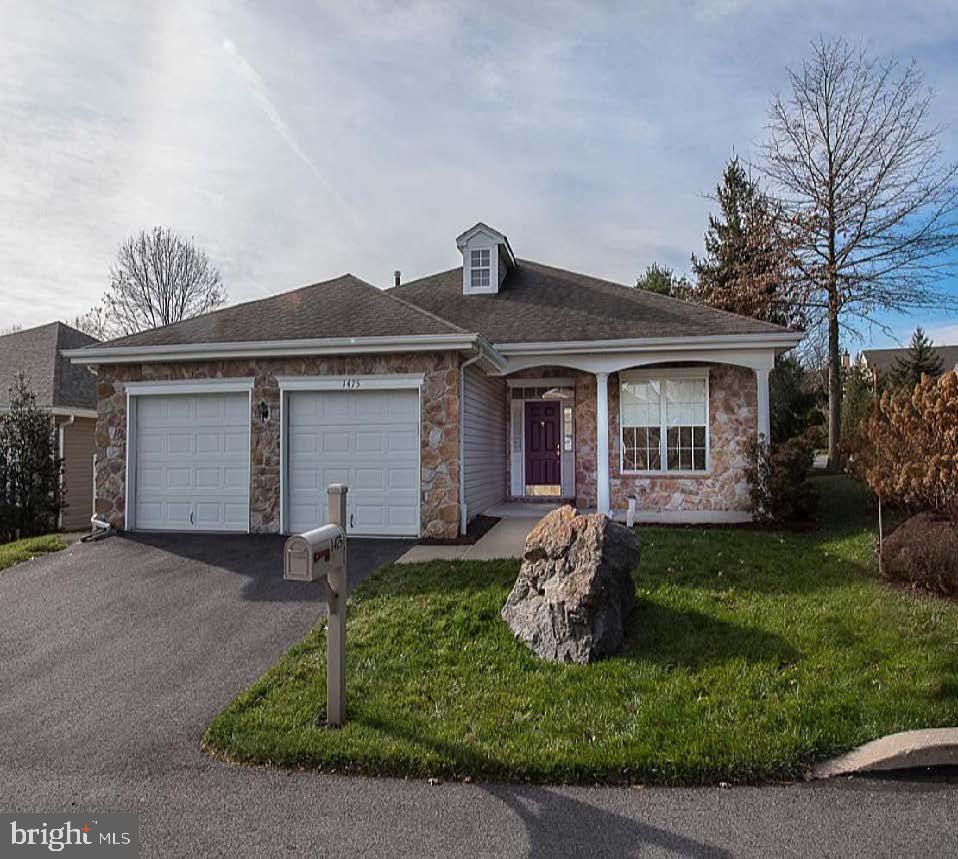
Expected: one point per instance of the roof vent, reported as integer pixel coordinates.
(397, 274)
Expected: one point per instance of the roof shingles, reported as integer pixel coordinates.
(538, 303)
(343, 307)
(56, 381)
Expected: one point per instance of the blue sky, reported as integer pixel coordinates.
(297, 141)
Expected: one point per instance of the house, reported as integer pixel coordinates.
(68, 391)
(435, 400)
(882, 361)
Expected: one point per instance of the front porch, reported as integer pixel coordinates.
(673, 436)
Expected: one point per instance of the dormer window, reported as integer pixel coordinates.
(480, 267)
(486, 259)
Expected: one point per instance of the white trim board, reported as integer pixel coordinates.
(69, 412)
(359, 382)
(785, 339)
(550, 382)
(91, 355)
(190, 386)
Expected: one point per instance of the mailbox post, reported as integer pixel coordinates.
(320, 556)
(336, 622)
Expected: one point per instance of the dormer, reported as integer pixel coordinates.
(486, 259)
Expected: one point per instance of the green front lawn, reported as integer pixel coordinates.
(24, 550)
(751, 655)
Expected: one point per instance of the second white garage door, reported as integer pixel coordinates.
(368, 440)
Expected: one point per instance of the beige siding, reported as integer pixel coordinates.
(484, 440)
(78, 449)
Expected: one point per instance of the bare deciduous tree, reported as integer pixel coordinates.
(857, 163)
(158, 278)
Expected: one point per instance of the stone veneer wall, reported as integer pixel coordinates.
(733, 416)
(439, 432)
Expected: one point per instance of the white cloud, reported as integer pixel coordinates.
(364, 136)
(944, 335)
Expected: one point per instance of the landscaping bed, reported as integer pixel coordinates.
(750, 656)
(30, 547)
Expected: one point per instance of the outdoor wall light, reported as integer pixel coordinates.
(263, 410)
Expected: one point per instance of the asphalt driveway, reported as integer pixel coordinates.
(114, 657)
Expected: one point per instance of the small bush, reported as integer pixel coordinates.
(923, 551)
(908, 449)
(778, 480)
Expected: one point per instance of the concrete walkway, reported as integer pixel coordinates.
(504, 540)
(931, 747)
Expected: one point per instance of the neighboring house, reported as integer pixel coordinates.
(882, 361)
(68, 390)
(434, 401)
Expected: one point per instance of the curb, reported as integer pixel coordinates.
(931, 747)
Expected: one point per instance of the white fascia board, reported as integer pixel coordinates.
(68, 411)
(280, 348)
(372, 382)
(190, 386)
(784, 340)
(545, 382)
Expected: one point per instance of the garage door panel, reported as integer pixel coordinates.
(402, 478)
(369, 478)
(336, 442)
(403, 517)
(192, 462)
(179, 442)
(368, 440)
(176, 512)
(402, 442)
(237, 442)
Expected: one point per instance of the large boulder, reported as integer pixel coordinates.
(575, 588)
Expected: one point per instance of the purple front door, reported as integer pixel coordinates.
(543, 444)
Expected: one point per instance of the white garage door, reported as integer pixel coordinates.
(368, 440)
(192, 462)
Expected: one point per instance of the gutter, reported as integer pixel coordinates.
(93, 355)
(784, 340)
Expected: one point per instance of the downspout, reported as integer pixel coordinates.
(62, 447)
(462, 442)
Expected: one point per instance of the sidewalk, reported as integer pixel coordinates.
(504, 540)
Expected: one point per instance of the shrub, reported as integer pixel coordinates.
(923, 551)
(778, 480)
(908, 451)
(30, 491)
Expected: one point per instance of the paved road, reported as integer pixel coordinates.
(114, 656)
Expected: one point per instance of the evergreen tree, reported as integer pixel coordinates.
(662, 280)
(746, 263)
(30, 491)
(920, 359)
(858, 400)
(793, 400)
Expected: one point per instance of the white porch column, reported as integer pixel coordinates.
(602, 442)
(764, 415)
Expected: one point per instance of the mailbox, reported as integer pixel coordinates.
(315, 554)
